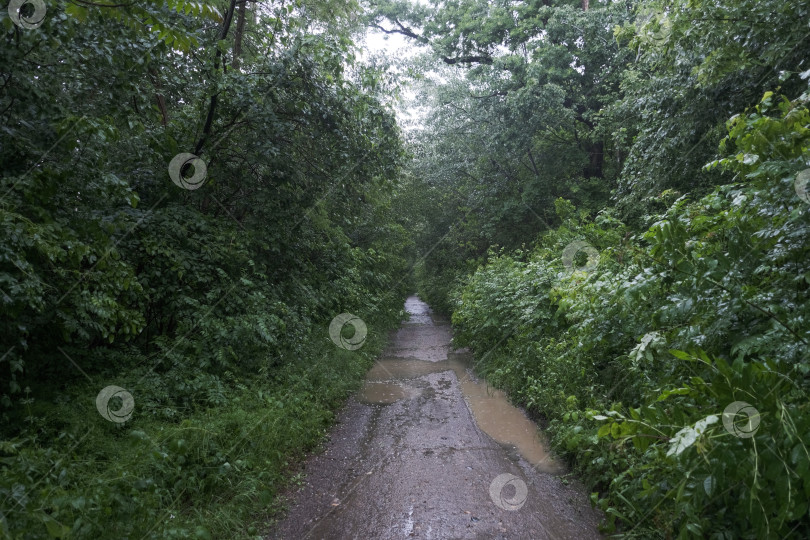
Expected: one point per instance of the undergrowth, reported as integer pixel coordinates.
(207, 471)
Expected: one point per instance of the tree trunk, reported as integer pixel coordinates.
(161, 100)
(596, 158)
(237, 38)
(223, 33)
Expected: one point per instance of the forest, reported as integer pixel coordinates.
(610, 200)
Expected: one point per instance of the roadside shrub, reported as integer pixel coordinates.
(635, 363)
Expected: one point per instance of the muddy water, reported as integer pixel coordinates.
(508, 425)
(382, 393)
(387, 382)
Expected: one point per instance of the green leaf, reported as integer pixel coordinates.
(709, 484)
(56, 529)
(681, 354)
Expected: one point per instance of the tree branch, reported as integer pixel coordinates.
(226, 25)
(473, 59)
(408, 32)
(401, 29)
(493, 94)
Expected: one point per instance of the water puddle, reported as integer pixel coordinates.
(386, 369)
(493, 412)
(508, 425)
(385, 393)
(501, 420)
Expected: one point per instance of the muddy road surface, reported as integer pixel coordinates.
(425, 450)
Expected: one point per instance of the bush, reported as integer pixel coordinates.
(634, 363)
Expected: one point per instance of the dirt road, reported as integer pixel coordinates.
(427, 451)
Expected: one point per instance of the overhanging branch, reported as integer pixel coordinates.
(403, 30)
(474, 59)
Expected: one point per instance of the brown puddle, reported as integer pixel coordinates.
(491, 409)
(386, 369)
(508, 425)
(385, 393)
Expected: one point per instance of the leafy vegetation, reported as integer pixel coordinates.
(208, 306)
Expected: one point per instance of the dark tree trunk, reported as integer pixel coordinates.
(596, 158)
(237, 38)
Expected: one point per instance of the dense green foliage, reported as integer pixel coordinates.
(209, 306)
(667, 142)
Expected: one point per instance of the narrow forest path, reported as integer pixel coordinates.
(410, 457)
